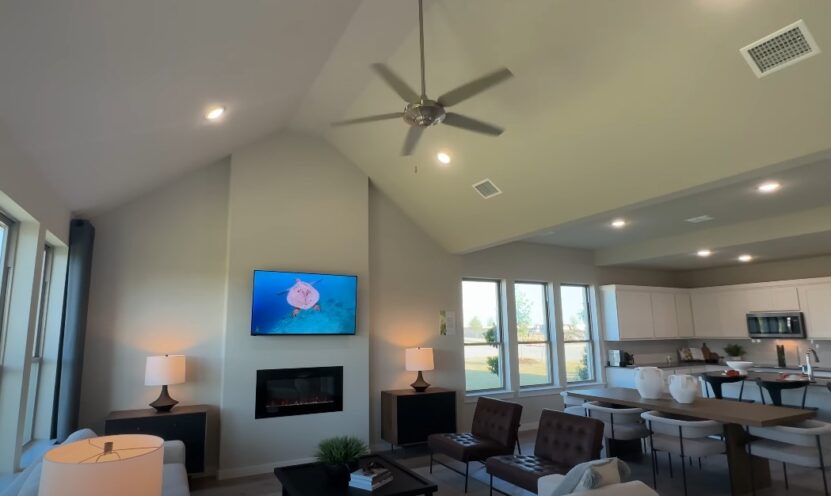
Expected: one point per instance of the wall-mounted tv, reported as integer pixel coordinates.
(287, 303)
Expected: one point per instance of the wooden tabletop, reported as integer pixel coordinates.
(725, 411)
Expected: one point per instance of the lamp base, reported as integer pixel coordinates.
(420, 385)
(164, 403)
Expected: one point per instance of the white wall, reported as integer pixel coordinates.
(776, 270)
(158, 286)
(295, 204)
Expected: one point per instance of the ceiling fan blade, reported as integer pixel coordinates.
(396, 83)
(474, 87)
(410, 142)
(471, 124)
(369, 118)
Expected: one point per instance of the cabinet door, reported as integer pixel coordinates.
(683, 310)
(664, 315)
(705, 309)
(781, 298)
(634, 313)
(816, 305)
(733, 313)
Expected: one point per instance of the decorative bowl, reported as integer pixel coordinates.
(740, 366)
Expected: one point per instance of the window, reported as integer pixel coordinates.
(577, 335)
(533, 337)
(6, 244)
(37, 346)
(484, 351)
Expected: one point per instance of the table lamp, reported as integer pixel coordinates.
(416, 360)
(126, 465)
(163, 371)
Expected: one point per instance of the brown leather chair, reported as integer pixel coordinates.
(494, 432)
(563, 441)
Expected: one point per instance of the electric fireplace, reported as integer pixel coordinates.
(302, 391)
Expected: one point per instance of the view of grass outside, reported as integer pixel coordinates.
(577, 333)
(482, 335)
(532, 334)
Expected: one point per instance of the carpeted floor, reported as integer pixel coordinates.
(710, 480)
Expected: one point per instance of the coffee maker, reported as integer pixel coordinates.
(619, 358)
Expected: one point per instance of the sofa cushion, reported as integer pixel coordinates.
(175, 480)
(602, 473)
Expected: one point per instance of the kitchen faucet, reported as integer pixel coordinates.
(808, 368)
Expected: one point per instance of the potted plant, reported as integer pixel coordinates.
(340, 454)
(734, 352)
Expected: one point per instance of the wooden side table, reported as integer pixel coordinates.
(408, 417)
(190, 424)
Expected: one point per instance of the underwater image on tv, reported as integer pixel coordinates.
(301, 303)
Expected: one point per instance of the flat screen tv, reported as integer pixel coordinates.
(290, 303)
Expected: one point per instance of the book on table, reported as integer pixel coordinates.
(370, 478)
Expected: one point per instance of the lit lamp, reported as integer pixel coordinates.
(126, 465)
(416, 360)
(163, 371)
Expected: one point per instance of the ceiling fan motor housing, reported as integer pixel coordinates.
(424, 113)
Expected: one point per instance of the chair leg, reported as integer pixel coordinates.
(785, 471)
(518, 447)
(669, 459)
(652, 459)
(431, 462)
(683, 465)
(490, 493)
(750, 455)
(699, 463)
(467, 466)
(822, 466)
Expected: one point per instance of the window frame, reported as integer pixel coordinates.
(7, 252)
(500, 337)
(590, 331)
(546, 288)
(38, 343)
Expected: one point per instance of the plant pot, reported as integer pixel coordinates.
(734, 358)
(340, 472)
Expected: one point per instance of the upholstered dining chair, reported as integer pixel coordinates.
(807, 444)
(683, 437)
(621, 424)
(572, 404)
(494, 432)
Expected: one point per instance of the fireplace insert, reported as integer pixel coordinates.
(301, 391)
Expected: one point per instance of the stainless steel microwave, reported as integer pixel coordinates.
(776, 325)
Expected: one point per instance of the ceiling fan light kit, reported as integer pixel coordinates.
(422, 112)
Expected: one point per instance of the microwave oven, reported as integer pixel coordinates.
(776, 325)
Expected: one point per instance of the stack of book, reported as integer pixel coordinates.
(370, 478)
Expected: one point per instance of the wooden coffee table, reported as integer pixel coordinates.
(312, 479)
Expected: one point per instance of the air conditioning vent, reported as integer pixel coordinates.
(778, 50)
(487, 189)
(699, 219)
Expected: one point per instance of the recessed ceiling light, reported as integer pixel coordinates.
(745, 258)
(768, 187)
(704, 253)
(443, 158)
(619, 223)
(214, 113)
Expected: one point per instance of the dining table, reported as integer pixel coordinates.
(736, 417)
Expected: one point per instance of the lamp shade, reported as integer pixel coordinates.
(164, 370)
(131, 467)
(418, 359)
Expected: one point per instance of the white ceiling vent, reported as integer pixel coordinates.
(487, 189)
(699, 219)
(778, 50)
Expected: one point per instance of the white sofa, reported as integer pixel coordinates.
(547, 484)
(174, 482)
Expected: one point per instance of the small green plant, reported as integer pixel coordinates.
(341, 450)
(734, 350)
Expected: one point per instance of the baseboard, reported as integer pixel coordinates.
(529, 426)
(266, 468)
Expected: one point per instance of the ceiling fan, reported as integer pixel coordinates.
(422, 112)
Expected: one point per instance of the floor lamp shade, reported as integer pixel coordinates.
(126, 465)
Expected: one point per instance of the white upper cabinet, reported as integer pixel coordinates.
(664, 315)
(683, 311)
(773, 299)
(816, 305)
(705, 310)
(733, 310)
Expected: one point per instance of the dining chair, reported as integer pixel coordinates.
(806, 444)
(620, 424)
(573, 405)
(775, 388)
(683, 437)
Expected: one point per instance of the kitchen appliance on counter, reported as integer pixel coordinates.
(619, 358)
(776, 325)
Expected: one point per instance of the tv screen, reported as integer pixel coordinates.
(301, 303)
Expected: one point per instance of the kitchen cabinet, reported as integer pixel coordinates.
(664, 315)
(684, 315)
(732, 310)
(773, 299)
(816, 306)
(705, 310)
(642, 312)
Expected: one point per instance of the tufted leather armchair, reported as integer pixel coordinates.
(494, 432)
(563, 441)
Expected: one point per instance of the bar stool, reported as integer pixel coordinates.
(775, 388)
(715, 382)
(684, 437)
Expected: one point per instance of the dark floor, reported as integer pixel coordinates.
(710, 479)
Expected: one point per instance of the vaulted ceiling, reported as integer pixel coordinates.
(614, 105)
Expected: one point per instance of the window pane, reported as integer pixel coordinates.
(483, 367)
(480, 308)
(579, 366)
(533, 364)
(575, 313)
(531, 312)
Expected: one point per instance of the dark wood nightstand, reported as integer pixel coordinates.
(408, 417)
(190, 424)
